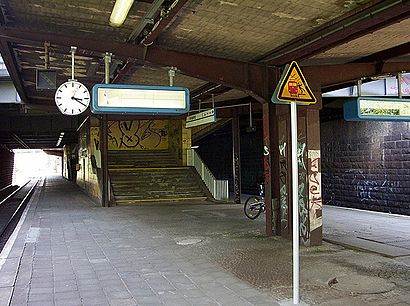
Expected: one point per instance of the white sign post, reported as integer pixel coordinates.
(293, 89)
(295, 200)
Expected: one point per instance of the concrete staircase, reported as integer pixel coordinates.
(151, 176)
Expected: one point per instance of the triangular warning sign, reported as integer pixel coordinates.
(293, 87)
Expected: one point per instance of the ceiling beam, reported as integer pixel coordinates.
(385, 55)
(12, 67)
(331, 75)
(20, 141)
(362, 21)
(159, 26)
(254, 79)
(164, 22)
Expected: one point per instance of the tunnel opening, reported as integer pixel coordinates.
(33, 163)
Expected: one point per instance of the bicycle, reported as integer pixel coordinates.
(254, 205)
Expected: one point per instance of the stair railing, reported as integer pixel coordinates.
(218, 188)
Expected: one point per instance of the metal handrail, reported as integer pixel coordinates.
(218, 188)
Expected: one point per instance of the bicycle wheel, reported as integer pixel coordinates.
(253, 207)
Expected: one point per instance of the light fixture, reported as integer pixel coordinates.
(120, 12)
(60, 139)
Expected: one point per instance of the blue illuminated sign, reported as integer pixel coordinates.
(377, 109)
(138, 99)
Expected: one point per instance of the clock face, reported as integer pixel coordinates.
(72, 98)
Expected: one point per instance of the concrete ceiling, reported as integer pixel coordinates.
(241, 30)
(386, 38)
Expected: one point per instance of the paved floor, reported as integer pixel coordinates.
(69, 251)
(383, 233)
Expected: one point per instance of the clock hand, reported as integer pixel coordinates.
(78, 100)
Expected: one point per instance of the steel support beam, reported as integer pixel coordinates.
(37, 124)
(20, 141)
(331, 75)
(236, 159)
(104, 161)
(271, 169)
(385, 55)
(234, 74)
(163, 22)
(12, 67)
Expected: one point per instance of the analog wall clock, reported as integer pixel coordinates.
(72, 98)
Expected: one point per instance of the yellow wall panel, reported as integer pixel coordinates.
(138, 135)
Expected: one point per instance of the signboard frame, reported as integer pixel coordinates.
(46, 79)
(278, 95)
(205, 117)
(97, 109)
(351, 110)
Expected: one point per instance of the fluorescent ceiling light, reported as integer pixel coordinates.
(120, 12)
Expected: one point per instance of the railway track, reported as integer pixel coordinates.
(12, 203)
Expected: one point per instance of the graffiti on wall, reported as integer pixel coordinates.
(283, 191)
(303, 205)
(315, 194)
(138, 135)
(266, 160)
(236, 178)
(95, 145)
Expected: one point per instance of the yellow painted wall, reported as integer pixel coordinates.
(138, 135)
(88, 146)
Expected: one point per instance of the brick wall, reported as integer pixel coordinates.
(6, 167)
(366, 165)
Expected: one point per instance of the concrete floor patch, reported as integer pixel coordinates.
(359, 284)
(189, 241)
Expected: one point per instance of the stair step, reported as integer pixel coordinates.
(125, 202)
(140, 176)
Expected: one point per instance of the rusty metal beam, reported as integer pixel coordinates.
(231, 73)
(385, 55)
(206, 91)
(20, 141)
(163, 23)
(362, 21)
(12, 67)
(331, 75)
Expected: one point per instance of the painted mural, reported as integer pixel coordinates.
(138, 135)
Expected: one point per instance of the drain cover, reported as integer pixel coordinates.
(189, 241)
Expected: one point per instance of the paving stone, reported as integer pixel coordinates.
(69, 302)
(41, 303)
(128, 255)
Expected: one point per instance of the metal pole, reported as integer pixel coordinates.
(250, 115)
(107, 62)
(400, 94)
(46, 54)
(171, 74)
(73, 50)
(359, 88)
(104, 140)
(295, 200)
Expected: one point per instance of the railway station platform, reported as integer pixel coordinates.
(67, 250)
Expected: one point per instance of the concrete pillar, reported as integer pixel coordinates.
(236, 159)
